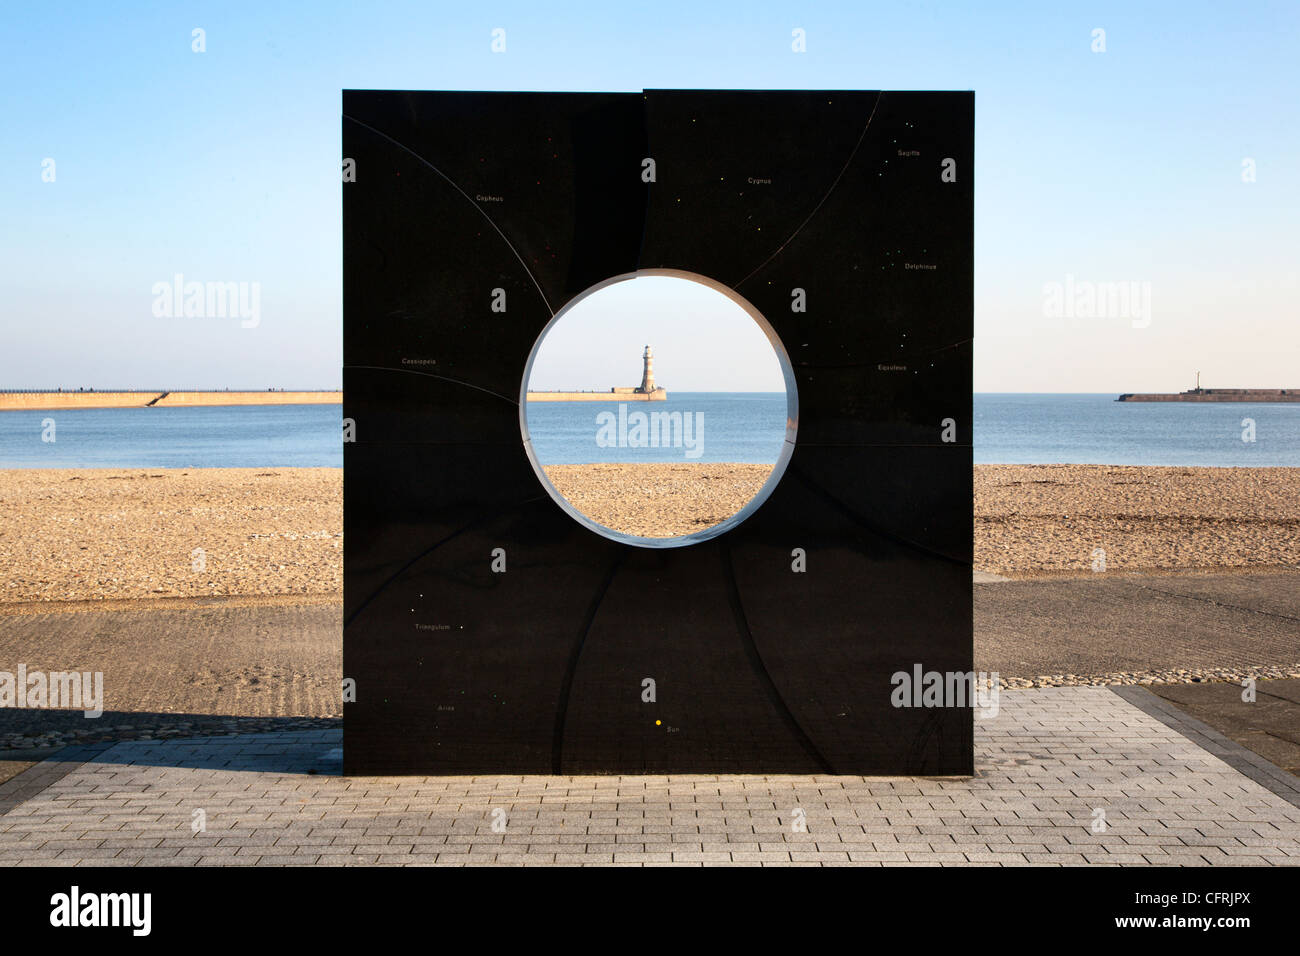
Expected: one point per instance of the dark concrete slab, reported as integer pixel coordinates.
(1285, 690)
(1114, 624)
(1270, 726)
(1277, 595)
(212, 659)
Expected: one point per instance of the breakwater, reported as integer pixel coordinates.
(159, 398)
(1218, 395)
(613, 395)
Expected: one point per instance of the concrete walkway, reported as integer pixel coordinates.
(1065, 776)
(1111, 624)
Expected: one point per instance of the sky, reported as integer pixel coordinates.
(1122, 166)
(598, 342)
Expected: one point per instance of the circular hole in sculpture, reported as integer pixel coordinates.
(659, 408)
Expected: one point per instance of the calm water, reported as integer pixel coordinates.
(1096, 429)
(234, 436)
(1011, 429)
(716, 426)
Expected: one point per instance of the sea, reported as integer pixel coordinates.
(225, 436)
(714, 426)
(1022, 429)
(739, 427)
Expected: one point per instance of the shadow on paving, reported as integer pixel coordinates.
(43, 727)
(317, 752)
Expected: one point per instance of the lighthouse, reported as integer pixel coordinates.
(647, 391)
(648, 373)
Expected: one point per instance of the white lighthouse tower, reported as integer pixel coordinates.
(648, 374)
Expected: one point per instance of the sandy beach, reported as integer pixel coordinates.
(1043, 520)
(87, 535)
(661, 500)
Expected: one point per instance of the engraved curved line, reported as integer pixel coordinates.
(868, 525)
(571, 672)
(468, 199)
(445, 378)
(928, 738)
(822, 201)
(760, 669)
(429, 550)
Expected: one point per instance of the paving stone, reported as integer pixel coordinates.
(1051, 758)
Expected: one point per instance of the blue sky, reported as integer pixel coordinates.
(1105, 167)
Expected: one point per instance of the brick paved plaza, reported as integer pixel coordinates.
(1064, 776)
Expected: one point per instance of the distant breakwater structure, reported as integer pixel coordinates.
(647, 391)
(42, 399)
(1219, 395)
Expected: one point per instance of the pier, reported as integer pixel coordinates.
(1218, 395)
(33, 399)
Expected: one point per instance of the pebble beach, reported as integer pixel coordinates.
(1056, 520)
(658, 500)
(94, 534)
